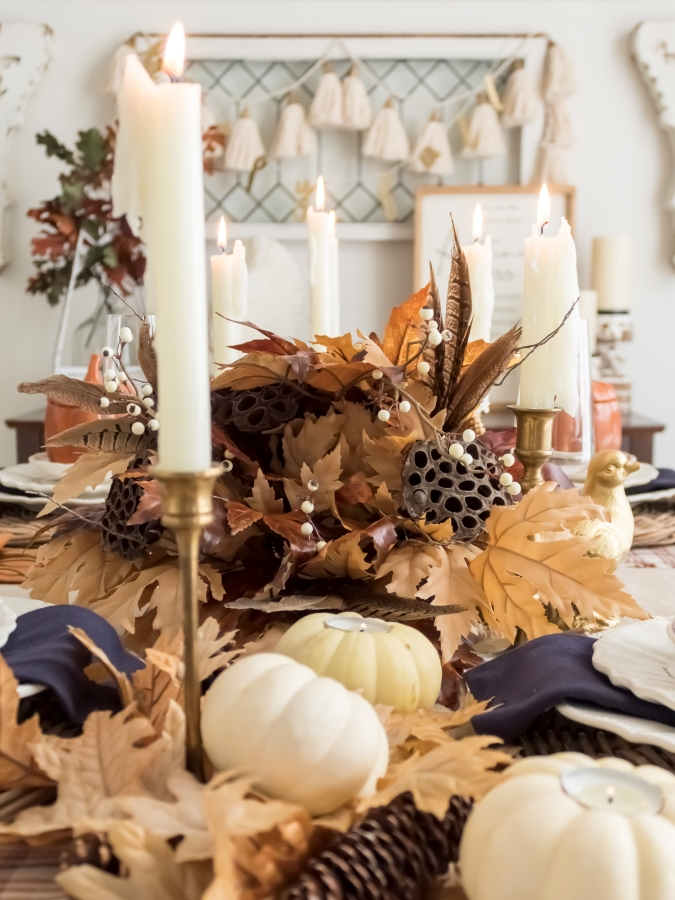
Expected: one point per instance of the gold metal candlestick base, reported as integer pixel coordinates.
(533, 443)
(186, 508)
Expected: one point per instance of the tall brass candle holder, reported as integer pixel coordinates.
(187, 508)
(533, 442)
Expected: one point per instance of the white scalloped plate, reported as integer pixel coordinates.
(637, 731)
(639, 657)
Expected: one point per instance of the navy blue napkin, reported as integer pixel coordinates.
(41, 650)
(543, 673)
(664, 481)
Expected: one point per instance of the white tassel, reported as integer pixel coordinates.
(560, 81)
(558, 127)
(552, 166)
(213, 150)
(485, 136)
(326, 109)
(387, 138)
(116, 72)
(357, 112)
(245, 146)
(432, 151)
(293, 136)
(521, 100)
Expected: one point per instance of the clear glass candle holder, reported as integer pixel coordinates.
(572, 441)
(114, 324)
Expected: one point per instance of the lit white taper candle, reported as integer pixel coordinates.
(321, 281)
(479, 260)
(160, 131)
(549, 374)
(229, 285)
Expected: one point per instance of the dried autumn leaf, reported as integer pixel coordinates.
(17, 766)
(251, 371)
(385, 502)
(309, 440)
(404, 326)
(408, 565)
(454, 767)
(334, 378)
(122, 681)
(147, 355)
(326, 473)
(240, 516)
(106, 435)
(521, 575)
(342, 558)
(74, 392)
(89, 470)
(263, 499)
(288, 526)
(355, 489)
(341, 347)
(385, 456)
(149, 507)
(426, 724)
(437, 531)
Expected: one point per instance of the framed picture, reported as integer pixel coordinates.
(509, 211)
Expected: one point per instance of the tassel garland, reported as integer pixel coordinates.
(357, 112)
(521, 100)
(432, 153)
(559, 84)
(485, 136)
(326, 109)
(293, 136)
(387, 138)
(245, 146)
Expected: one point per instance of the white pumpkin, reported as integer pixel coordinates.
(305, 739)
(528, 839)
(392, 663)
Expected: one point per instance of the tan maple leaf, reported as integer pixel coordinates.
(453, 767)
(404, 327)
(122, 681)
(263, 499)
(385, 457)
(252, 371)
(153, 872)
(76, 563)
(326, 473)
(428, 725)
(532, 560)
(89, 470)
(341, 558)
(408, 564)
(437, 531)
(18, 767)
(306, 441)
(385, 502)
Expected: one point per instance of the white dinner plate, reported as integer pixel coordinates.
(646, 473)
(637, 731)
(14, 603)
(31, 501)
(24, 478)
(640, 657)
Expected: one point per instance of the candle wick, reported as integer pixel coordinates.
(174, 79)
(544, 224)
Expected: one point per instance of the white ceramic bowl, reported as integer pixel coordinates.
(46, 468)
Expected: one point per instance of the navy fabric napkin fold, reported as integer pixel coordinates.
(41, 650)
(664, 481)
(539, 675)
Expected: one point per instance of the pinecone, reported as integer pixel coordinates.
(395, 852)
(256, 410)
(128, 541)
(91, 849)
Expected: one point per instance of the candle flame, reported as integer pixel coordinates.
(320, 193)
(331, 220)
(610, 793)
(174, 52)
(222, 233)
(543, 207)
(477, 223)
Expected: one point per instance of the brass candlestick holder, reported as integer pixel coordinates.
(186, 509)
(533, 442)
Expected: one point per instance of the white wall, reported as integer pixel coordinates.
(620, 165)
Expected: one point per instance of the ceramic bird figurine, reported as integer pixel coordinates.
(607, 472)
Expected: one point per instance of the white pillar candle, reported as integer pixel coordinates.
(611, 272)
(167, 187)
(479, 260)
(549, 374)
(335, 274)
(229, 285)
(321, 287)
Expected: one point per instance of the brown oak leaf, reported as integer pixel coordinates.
(240, 516)
(263, 499)
(404, 326)
(307, 441)
(342, 558)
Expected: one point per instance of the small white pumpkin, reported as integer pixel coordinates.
(529, 839)
(305, 739)
(392, 663)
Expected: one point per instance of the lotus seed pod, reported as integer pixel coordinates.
(384, 415)
(506, 479)
(456, 451)
(404, 406)
(153, 425)
(307, 506)
(423, 367)
(306, 528)
(126, 336)
(469, 435)
(138, 428)
(111, 386)
(467, 459)
(104, 402)
(377, 374)
(509, 460)
(426, 313)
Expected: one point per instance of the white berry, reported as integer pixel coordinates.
(404, 406)
(446, 335)
(133, 409)
(377, 374)
(456, 451)
(107, 352)
(148, 402)
(110, 386)
(433, 325)
(109, 375)
(312, 485)
(306, 528)
(138, 428)
(435, 338)
(229, 454)
(153, 424)
(508, 459)
(320, 545)
(469, 435)
(121, 377)
(467, 459)
(227, 465)
(307, 506)
(423, 367)
(513, 489)
(126, 336)
(146, 390)
(505, 479)
(384, 415)
(104, 402)
(426, 313)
